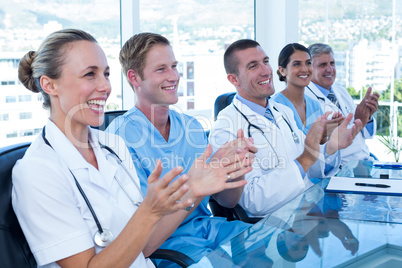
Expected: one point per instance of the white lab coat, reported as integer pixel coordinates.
(268, 190)
(54, 217)
(358, 150)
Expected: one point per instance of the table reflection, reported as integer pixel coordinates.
(318, 229)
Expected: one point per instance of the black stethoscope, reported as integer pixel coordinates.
(275, 162)
(321, 99)
(103, 237)
(294, 135)
(318, 97)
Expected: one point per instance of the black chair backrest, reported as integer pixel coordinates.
(222, 101)
(14, 248)
(109, 117)
(231, 214)
(236, 213)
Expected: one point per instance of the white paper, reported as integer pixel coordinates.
(343, 184)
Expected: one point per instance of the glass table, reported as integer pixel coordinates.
(371, 169)
(320, 229)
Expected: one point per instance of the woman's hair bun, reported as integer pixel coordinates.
(25, 73)
(281, 77)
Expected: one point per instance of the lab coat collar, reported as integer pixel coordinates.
(323, 90)
(247, 111)
(74, 160)
(327, 103)
(313, 87)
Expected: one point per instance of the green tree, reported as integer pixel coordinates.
(386, 94)
(352, 91)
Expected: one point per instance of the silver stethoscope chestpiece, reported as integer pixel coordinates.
(295, 138)
(103, 239)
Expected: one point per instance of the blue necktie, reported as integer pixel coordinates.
(331, 96)
(268, 114)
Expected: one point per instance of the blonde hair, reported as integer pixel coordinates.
(134, 52)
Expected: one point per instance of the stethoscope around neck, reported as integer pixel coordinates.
(273, 162)
(321, 99)
(318, 97)
(294, 135)
(103, 237)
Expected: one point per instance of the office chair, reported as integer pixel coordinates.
(222, 101)
(14, 249)
(231, 214)
(236, 213)
(109, 117)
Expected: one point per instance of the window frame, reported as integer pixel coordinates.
(266, 13)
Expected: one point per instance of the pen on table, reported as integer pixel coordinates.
(372, 185)
(388, 165)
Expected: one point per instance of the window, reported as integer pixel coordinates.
(3, 117)
(4, 83)
(13, 134)
(26, 132)
(199, 32)
(190, 70)
(24, 98)
(25, 115)
(359, 35)
(37, 131)
(367, 42)
(41, 18)
(10, 99)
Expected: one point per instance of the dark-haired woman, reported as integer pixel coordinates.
(294, 68)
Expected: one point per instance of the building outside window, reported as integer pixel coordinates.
(10, 99)
(199, 32)
(25, 115)
(24, 98)
(23, 26)
(366, 37)
(3, 117)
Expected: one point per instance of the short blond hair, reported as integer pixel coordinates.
(134, 52)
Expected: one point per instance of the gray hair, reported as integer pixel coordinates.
(318, 49)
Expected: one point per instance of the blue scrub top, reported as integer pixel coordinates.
(313, 110)
(199, 234)
(146, 145)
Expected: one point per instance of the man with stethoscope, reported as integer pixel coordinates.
(285, 156)
(336, 98)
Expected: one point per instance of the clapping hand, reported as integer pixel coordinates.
(228, 164)
(163, 197)
(333, 121)
(312, 142)
(343, 136)
(367, 107)
(239, 145)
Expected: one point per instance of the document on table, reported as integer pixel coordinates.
(364, 186)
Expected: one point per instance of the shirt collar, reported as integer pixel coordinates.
(74, 160)
(323, 90)
(65, 149)
(252, 105)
